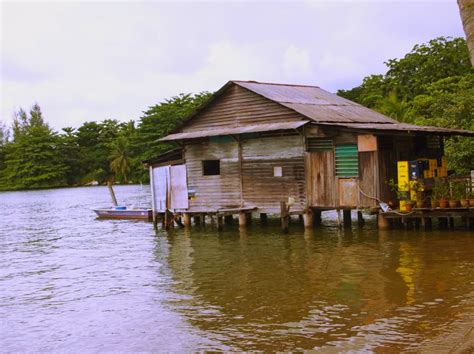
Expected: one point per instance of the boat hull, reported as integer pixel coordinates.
(130, 214)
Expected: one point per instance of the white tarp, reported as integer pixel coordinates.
(169, 188)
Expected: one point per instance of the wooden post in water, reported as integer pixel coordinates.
(197, 220)
(360, 219)
(308, 219)
(285, 217)
(263, 219)
(339, 221)
(242, 219)
(228, 219)
(249, 218)
(346, 214)
(382, 222)
(187, 219)
(112, 194)
(317, 217)
(220, 222)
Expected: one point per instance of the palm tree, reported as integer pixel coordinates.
(466, 8)
(120, 158)
(393, 107)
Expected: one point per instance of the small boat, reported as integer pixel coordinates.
(121, 212)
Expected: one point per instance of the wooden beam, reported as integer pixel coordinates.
(285, 217)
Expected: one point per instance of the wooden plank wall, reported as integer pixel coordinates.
(238, 106)
(367, 178)
(260, 187)
(321, 180)
(213, 192)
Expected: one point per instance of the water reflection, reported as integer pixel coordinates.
(255, 289)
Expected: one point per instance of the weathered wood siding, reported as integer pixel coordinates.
(260, 187)
(238, 106)
(213, 192)
(368, 178)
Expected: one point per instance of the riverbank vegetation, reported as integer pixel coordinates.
(431, 85)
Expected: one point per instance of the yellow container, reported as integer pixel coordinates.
(403, 205)
(444, 162)
(403, 176)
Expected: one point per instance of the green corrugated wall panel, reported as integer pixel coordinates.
(347, 160)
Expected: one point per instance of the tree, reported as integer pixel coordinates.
(32, 159)
(466, 8)
(120, 158)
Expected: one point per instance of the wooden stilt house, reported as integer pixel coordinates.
(253, 145)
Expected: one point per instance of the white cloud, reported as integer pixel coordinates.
(96, 60)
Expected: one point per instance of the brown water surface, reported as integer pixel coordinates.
(71, 282)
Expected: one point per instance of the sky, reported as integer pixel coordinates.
(90, 61)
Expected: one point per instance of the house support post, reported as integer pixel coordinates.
(228, 219)
(263, 219)
(382, 222)
(317, 217)
(242, 219)
(285, 217)
(220, 222)
(360, 219)
(187, 219)
(197, 220)
(346, 214)
(308, 219)
(427, 223)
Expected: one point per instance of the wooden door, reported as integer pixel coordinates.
(178, 187)
(320, 179)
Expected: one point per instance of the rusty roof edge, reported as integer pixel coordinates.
(242, 129)
(400, 127)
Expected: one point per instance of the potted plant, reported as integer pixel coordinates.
(403, 197)
(418, 188)
(434, 200)
(458, 192)
(463, 194)
(441, 190)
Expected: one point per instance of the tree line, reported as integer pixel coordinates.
(32, 155)
(433, 84)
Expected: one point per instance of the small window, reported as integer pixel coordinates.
(211, 167)
(318, 144)
(277, 171)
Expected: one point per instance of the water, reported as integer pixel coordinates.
(71, 282)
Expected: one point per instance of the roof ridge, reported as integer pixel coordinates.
(274, 83)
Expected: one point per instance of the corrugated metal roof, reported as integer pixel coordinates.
(315, 103)
(403, 127)
(255, 128)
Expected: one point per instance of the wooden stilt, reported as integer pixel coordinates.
(382, 222)
(301, 218)
(263, 219)
(179, 221)
(228, 219)
(220, 222)
(242, 219)
(346, 214)
(155, 221)
(285, 217)
(417, 223)
(317, 217)
(471, 223)
(249, 218)
(203, 219)
(187, 219)
(339, 219)
(451, 223)
(197, 220)
(308, 219)
(360, 219)
(427, 223)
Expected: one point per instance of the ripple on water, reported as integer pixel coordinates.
(71, 282)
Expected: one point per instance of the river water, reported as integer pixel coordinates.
(71, 282)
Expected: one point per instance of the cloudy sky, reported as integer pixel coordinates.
(90, 60)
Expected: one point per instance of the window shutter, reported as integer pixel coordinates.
(347, 160)
(318, 144)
